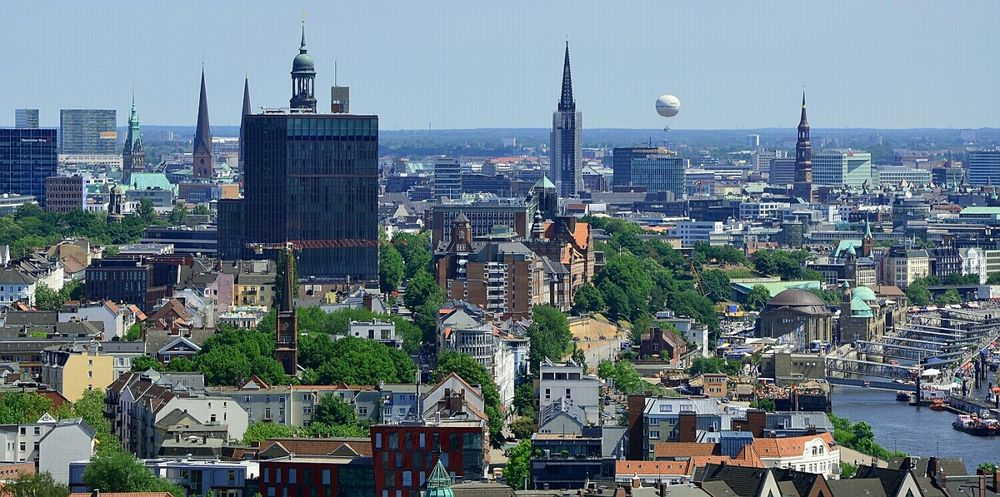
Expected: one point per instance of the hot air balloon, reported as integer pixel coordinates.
(667, 106)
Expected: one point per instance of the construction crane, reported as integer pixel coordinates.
(697, 278)
(296, 245)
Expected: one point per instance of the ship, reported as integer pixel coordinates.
(902, 396)
(938, 405)
(974, 425)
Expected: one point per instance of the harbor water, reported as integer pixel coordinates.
(918, 431)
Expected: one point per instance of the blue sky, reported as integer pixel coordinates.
(473, 64)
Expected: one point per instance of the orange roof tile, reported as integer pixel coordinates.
(683, 449)
(628, 467)
(111, 306)
(787, 447)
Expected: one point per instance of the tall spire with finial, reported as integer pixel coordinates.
(802, 187)
(566, 102)
(246, 96)
(133, 155)
(203, 166)
(802, 120)
(303, 76)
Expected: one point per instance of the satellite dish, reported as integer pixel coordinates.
(667, 106)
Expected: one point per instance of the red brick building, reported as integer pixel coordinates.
(404, 455)
(317, 476)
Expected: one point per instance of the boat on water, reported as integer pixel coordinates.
(938, 405)
(974, 425)
(903, 396)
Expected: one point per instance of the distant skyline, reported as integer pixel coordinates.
(455, 64)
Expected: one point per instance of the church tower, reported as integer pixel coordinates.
(803, 158)
(133, 155)
(566, 162)
(203, 167)
(303, 79)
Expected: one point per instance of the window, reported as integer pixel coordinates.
(23, 447)
(38, 430)
(291, 475)
(407, 478)
(378, 440)
(326, 476)
(423, 440)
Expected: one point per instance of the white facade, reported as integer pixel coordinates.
(51, 444)
(116, 319)
(15, 286)
(818, 455)
(566, 382)
(894, 175)
(839, 167)
(762, 210)
(692, 232)
(974, 262)
(378, 331)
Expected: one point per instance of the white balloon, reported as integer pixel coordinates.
(668, 105)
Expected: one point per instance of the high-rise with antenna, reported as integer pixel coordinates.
(340, 96)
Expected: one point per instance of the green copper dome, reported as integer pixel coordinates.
(303, 62)
(439, 484)
(864, 293)
(860, 309)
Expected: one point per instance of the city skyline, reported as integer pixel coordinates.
(864, 66)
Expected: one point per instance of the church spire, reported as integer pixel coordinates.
(803, 122)
(246, 96)
(566, 102)
(133, 155)
(203, 136)
(303, 76)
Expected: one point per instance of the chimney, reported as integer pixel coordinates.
(996, 480)
(687, 427)
(932, 467)
(982, 485)
(756, 419)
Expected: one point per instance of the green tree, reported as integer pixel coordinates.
(475, 374)
(364, 362)
(788, 264)
(549, 335)
(640, 327)
(146, 211)
(704, 365)
(415, 250)
(411, 335)
(918, 293)
(314, 349)
(391, 268)
(47, 299)
(522, 428)
(757, 298)
(949, 297)
(177, 214)
(847, 470)
(34, 485)
(22, 407)
(182, 365)
(993, 279)
(260, 431)
(716, 285)
(517, 472)
(587, 299)
(420, 288)
(231, 355)
(122, 472)
(625, 285)
(763, 404)
(145, 363)
(331, 410)
(524, 398)
(90, 407)
(201, 210)
(134, 333)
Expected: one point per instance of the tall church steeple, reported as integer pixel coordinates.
(303, 77)
(133, 155)
(566, 102)
(803, 158)
(203, 167)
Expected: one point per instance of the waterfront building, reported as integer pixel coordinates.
(566, 141)
(87, 131)
(796, 317)
(27, 157)
(26, 118)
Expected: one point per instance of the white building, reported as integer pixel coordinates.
(567, 383)
(383, 332)
(16, 285)
(762, 210)
(692, 232)
(842, 167)
(974, 262)
(117, 319)
(894, 175)
(50, 443)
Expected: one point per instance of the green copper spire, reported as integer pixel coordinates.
(439, 484)
(868, 228)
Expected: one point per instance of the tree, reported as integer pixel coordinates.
(475, 374)
(22, 407)
(90, 407)
(201, 210)
(522, 428)
(145, 363)
(146, 211)
(331, 410)
(918, 293)
(758, 297)
(587, 299)
(177, 214)
(993, 279)
(122, 472)
(391, 268)
(412, 336)
(314, 349)
(949, 297)
(524, 398)
(420, 288)
(47, 299)
(517, 472)
(704, 365)
(763, 404)
(260, 431)
(364, 362)
(415, 250)
(624, 376)
(231, 355)
(716, 285)
(134, 333)
(788, 264)
(640, 327)
(34, 485)
(182, 365)
(625, 285)
(549, 335)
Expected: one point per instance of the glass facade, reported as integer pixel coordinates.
(27, 157)
(87, 131)
(314, 177)
(659, 173)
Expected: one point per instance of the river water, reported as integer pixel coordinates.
(917, 431)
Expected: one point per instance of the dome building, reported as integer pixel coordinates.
(796, 317)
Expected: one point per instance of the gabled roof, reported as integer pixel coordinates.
(279, 447)
(179, 343)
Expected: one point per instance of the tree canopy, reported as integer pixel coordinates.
(122, 472)
(475, 374)
(788, 264)
(716, 285)
(391, 268)
(31, 228)
(758, 297)
(517, 472)
(364, 362)
(549, 335)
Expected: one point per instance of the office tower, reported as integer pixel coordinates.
(782, 172)
(802, 187)
(26, 118)
(621, 163)
(983, 167)
(567, 155)
(202, 164)
(311, 179)
(447, 178)
(246, 112)
(340, 96)
(753, 141)
(133, 155)
(842, 167)
(27, 157)
(87, 131)
(303, 77)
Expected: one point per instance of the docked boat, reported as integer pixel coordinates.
(903, 396)
(938, 405)
(974, 425)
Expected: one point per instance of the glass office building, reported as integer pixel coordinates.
(87, 131)
(27, 157)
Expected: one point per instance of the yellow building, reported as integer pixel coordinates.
(72, 369)
(903, 266)
(254, 283)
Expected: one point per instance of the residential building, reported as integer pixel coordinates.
(566, 162)
(903, 265)
(322, 192)
(65, 193)
(254, 284)
(26, 118)
(383, 332)
(761, 210)
(49, 444)
(125, 279)
(27, 157)
(338, 474)
(11, 202)
(664, 343)
(197, 476)
(842, 167)
(73, 369)
(693, 232)
(983, 166)
(87, 131)
(568, 460)
(405, 454)
(16, 285)
(447, 178)
(566, 382)
(293, 405)
(973, 261)
(464, 327)
(122, 354)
